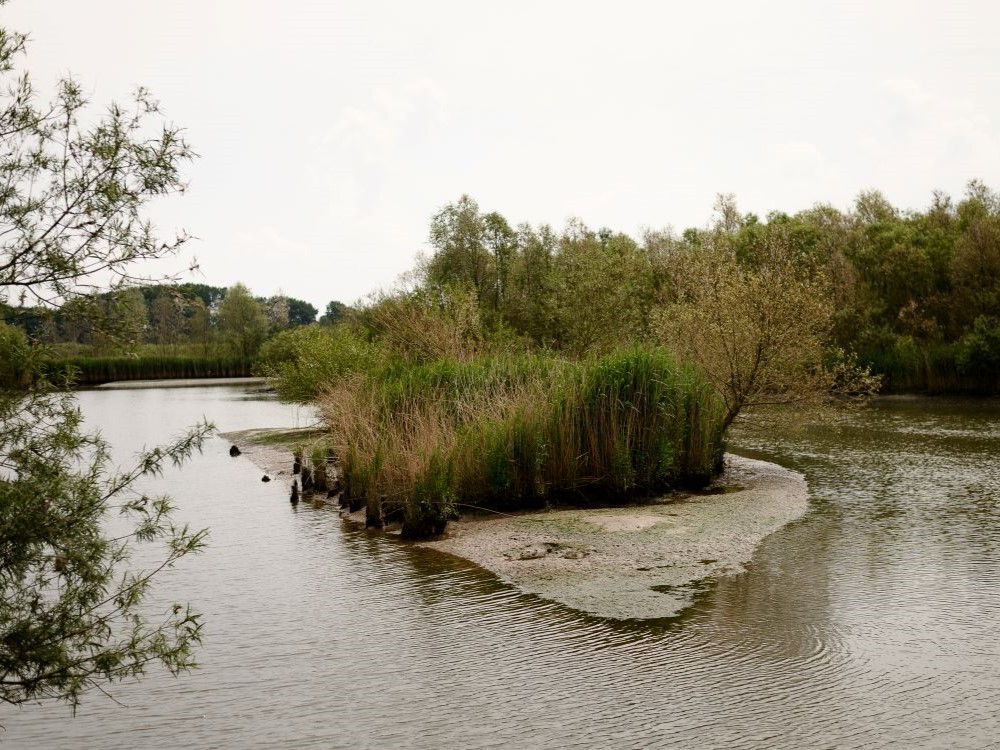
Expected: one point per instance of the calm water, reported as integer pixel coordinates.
(872, 622)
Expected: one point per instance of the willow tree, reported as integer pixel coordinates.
(243, 321)
(75, 613)
(167, 316)
(757, 319)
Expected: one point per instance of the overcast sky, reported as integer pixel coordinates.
(329, 132)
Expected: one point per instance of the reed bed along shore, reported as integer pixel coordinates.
(931, 370)
(98, 370)
(417, 443)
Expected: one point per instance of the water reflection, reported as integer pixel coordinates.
(869, 623)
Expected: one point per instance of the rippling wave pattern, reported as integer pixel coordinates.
(870, 623)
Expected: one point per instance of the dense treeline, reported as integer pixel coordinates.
(157, 314)
(917, 293)
(86, 371)
(524, 363)
(528, 365)
(155, 331)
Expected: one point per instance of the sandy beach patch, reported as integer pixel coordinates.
(625, 521)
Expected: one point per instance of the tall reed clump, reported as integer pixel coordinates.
(635, 423)
(417, 442)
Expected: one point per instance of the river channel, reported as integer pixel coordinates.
(872, 622)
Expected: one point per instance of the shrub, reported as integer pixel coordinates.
(425, 326)
(15, 358)
(305, 359)
(979, 349)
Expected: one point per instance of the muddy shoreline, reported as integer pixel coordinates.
(644, 561)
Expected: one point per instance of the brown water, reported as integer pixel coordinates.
(872, 622)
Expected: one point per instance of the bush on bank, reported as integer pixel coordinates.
(15, 358)
(969, 366)
(301, 360)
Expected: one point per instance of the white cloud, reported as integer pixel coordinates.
(373, 131)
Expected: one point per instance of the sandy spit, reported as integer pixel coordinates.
(273, 458)
(644, 561)
(636, 562)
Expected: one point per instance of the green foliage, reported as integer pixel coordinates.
(920, 277)
(75, 185)
(979, 349)
(461, 255)
(123, 322)
(199, 323)
(335, 312)
(431, 324)
(243, 322)
(166, 317)
(553, 289)
(74, 613)
(300, 312)
(15, 358)
(302, 360)
(591, 312)
(210, 296)
(755, 317)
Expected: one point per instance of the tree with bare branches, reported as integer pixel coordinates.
(756, 318)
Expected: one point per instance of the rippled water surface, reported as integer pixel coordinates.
(872, 622)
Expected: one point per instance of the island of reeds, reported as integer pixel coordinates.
(419, 443)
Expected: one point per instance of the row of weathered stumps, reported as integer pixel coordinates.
(318, 477)
(315, 477)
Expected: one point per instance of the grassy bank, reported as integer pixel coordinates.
(418, 442)
(97, 370)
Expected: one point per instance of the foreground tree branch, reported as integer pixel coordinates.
(75, 614)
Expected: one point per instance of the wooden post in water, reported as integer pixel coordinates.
(373, 513)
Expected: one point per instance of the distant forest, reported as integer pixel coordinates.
(165, 314)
